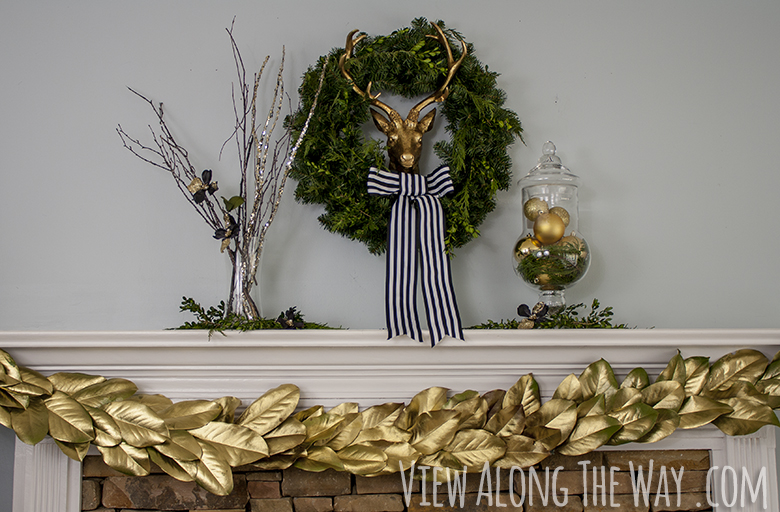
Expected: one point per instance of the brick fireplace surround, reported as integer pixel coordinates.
(332, 367)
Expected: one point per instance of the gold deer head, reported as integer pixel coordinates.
(404, 136)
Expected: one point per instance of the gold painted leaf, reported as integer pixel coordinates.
(76, 451)
(270, 410)
(545, 439)
(773, 369)
(8, 400)
(69, 422)
(740, 389)
(637, 420)
(25, 388)
(748, 416)
(279, 461)
(507, 422)
(183, 447)
(674, 371)
(666, 423)
(590, 433)
(623, 398)
(697, 411)
(596, 406)
(322, 428)
(190, 414)
(362, 459)
(389, 433)
(664, 395)
(441, 459)
(770, 388)
(178, 469)
(353, 423)
(214, 473)
(311, 412)
(556, 414)
(569, 389)
(70, 383)
(15, 400)
(598, 378)
(636, 378)
(229, 404)
(36, 379)
(474, 447)
(427, 400)
(524, 392)
(434, 430)
(742, 365)
(345, 408)
(156, 402)
(697, 370)
(5, 417)
(140, 426)
(9, 370)
(472, 412)
(239, 444)
(288, 435)
(318, 459)
(385, 414)
(107, 432)
(520, 453)
(495, 400)
(397, 454)
(32, 424)
(454, 400)
(126, 459)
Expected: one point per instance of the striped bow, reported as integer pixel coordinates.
(416, 248)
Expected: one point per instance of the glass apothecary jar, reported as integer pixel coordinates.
(551, 255)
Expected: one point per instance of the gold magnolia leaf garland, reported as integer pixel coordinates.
(201, 440)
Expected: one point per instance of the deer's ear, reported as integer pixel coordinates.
(381, 122)
(426, 123)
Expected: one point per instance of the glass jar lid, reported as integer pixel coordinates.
(550, 168)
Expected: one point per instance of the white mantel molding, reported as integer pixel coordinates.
(335, 366)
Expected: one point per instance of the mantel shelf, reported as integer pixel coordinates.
(335, 366)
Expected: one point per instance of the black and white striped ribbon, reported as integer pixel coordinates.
(416, 252)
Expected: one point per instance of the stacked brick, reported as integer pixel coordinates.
(292, 490)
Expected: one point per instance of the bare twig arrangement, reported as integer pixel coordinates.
(242, 221)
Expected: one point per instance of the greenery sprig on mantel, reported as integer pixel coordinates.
(216, 319)
(568, 318)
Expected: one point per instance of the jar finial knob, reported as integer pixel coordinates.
(548, 154)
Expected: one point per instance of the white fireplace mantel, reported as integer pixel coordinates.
(335, 366)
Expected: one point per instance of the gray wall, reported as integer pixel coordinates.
(668, 110)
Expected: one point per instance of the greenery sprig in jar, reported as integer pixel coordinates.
(551, 255)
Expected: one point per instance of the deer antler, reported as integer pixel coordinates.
(452, 67)
(348, 48)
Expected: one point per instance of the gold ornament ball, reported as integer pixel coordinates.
(573, 240)
(575, 248)
(542, 279)
(548, 228)
(524, 247)
(525, 323)
(533, 207)
(562, 213)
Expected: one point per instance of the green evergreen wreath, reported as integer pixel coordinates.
(333, 161)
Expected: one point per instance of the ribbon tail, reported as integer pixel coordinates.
(440, 303)
(401, 279)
